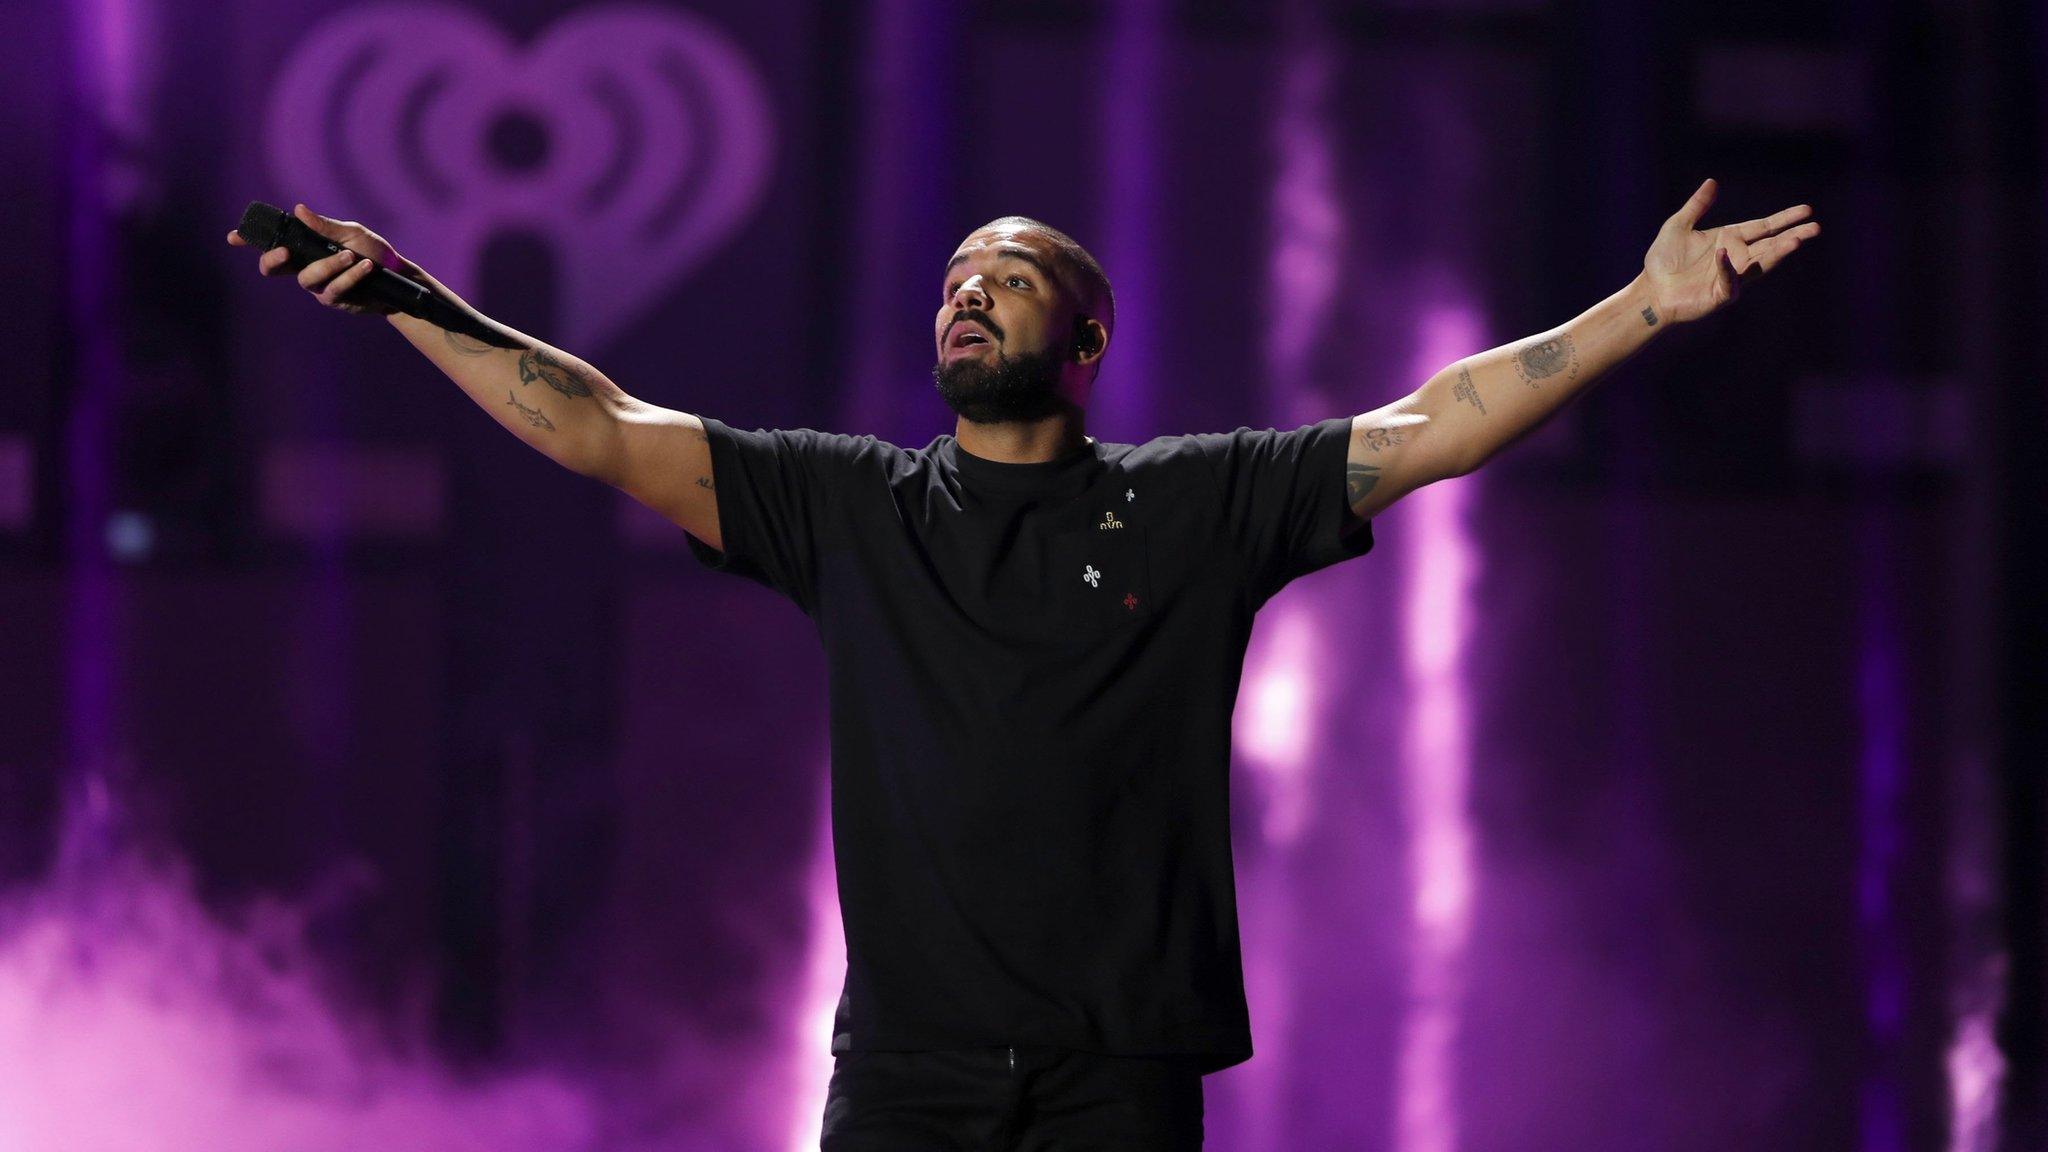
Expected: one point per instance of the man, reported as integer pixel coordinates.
(1033, 643)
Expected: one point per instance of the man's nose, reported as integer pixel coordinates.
(970, 289)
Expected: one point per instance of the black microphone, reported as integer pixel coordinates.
(266, 226)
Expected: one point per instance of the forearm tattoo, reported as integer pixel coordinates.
(540, 364)
(704, 482)
(1464, 390)
(1542, 359)
(1359, 480)
(1649, 316)
(466, 345)
(534, 416)
(1378, 438)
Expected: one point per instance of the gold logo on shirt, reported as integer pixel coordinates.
(1109, 520)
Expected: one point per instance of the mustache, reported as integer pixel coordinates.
(980, 318)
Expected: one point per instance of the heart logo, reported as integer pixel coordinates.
(633, 139)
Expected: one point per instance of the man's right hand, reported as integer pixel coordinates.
(330, 279)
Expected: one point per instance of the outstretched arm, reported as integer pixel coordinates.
(1472, 410)
(555, 402)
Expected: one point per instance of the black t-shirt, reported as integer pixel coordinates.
(1031, 670)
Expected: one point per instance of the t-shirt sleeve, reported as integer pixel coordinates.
(1283, 501)
(774, 488)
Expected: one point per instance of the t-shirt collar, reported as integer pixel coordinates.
(1036, 478)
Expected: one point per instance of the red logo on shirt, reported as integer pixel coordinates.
(1131, 601)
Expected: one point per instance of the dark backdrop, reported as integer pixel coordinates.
(364, 776)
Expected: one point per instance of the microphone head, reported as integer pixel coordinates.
(261, 223)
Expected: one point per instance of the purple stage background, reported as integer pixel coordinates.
(1674, 782)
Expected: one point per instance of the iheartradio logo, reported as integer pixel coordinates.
(633, 139)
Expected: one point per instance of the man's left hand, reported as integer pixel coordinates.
(1691, 273)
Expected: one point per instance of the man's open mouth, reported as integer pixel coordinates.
(969, 334)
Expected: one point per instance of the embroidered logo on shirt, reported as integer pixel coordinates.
(1093, 577)
(1131, 601)
(1109, 520)
(1130, 494)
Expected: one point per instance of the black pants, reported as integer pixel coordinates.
(1012, 1100)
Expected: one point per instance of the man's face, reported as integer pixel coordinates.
(1005, 329)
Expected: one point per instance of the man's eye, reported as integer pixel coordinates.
(955, 285)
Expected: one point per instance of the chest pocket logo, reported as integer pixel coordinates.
(1100, 581)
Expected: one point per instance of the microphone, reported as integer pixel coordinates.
(266, 226)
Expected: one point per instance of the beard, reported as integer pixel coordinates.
(1008, 390)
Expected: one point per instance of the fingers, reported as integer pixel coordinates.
(1731, 283)
(313, 276)
(330, 278)
(356, 273)
(275, 261)
(1766, 253)
(332, 229)
(1696, 206)
(1750, 230)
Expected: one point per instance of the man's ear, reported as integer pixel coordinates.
(1086, 337)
